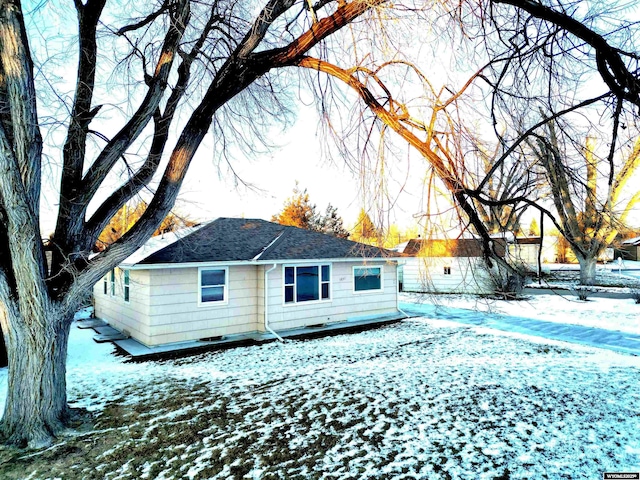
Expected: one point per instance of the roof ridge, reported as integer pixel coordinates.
(276, 241)
(269, 245)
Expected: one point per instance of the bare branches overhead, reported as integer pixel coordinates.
(612, 62)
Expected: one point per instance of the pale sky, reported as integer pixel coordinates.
(208, 193)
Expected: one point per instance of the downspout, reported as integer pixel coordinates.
(266, 304)
(398, 292)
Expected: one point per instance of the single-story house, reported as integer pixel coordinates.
(446, 266)
(236, 276)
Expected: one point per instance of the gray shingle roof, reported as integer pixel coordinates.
(240, 239)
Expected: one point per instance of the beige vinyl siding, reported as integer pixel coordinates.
(164, 305)
(344, 303)
(427, 275)
(176, 316)
(130, 317)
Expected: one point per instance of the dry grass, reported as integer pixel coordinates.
(342, 414)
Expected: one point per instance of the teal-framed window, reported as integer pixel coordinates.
(367, 279)
(307, 283)
(126, 285)
(112, 283)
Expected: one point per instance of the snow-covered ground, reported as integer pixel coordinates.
(421, 399)
(562, 307)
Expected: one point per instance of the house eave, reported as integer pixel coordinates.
(159, 266)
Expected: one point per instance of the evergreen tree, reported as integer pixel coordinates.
(534, 229)
(364, 226)
(331, 223)
(298, 211)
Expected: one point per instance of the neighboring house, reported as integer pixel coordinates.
(239, 276)
(629, 249)
(446, 266)
(524, 250)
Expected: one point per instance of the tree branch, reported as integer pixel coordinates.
(162, 123)
(623, 83)
(524, 136)
(18, 95)
(145, 21)
(123, 139)
(267, 16)
(234, 76)
(70, 214)
(391, 120)
(344, 15)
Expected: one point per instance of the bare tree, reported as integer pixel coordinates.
(187, 66)
(550, 53)
(537, 56)
(195, 67)
(589, 220)
(513, 180)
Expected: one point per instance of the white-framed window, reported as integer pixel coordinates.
(447, 270)
(213, 285)
(112, 282)
(105, 284)
(307, 283)
(367, 279)
(126, 288)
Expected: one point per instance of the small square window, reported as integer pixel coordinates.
(367, 279)
(447, 270)
(213, 285)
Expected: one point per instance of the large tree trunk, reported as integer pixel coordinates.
(587, 270)
(36, 409)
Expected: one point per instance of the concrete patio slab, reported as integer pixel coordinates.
(139, 351)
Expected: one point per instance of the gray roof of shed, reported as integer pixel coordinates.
(240, 239)
(459, 247)
(631, 241)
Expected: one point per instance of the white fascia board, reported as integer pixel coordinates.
(157, 266)
(361, 260)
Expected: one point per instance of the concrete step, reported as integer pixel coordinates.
(91, 323)
(103, 338)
